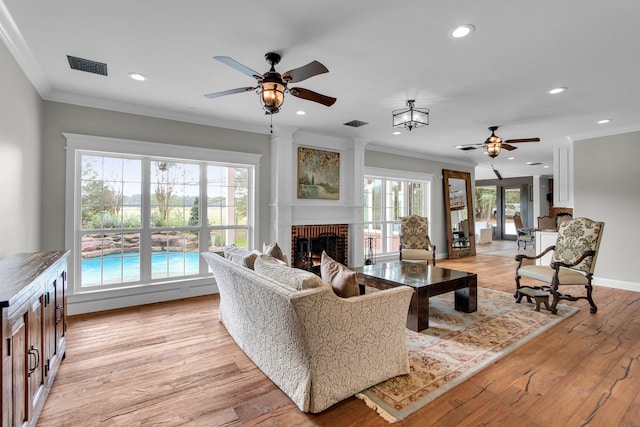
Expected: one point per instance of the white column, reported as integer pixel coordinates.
(356, 230)
(283, 176)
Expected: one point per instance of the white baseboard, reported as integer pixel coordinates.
(618, 284)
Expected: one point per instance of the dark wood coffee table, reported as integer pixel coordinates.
(427, 281)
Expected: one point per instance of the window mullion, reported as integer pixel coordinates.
(203, 215)
(145, 237)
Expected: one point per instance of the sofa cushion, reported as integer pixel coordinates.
(291, 277)
(343, 281)
(240, 256)
(272, 249)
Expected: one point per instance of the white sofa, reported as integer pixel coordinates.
(316, 347)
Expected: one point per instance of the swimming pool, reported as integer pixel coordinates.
(112, 269)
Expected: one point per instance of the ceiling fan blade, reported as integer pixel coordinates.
(238, 66)
(507, 147)
(313, 68)
(312, 96)
(229, 92)
(511, 141)
(496, 172)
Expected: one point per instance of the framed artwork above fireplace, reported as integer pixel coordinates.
(318, 174)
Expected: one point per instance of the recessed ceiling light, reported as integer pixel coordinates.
(603, 121)
(546, 166)
(301, 113)
(557, 90)
(137, 76)
(510, 158)
(462, 31)
(397, 132)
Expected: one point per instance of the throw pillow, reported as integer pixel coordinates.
(343, 281)
(274, 250)
(291, 277)
(240, 256)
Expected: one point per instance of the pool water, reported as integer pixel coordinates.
(117, 269)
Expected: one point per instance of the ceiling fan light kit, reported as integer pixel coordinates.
(272, 96)
(410, 117)
(493, 149)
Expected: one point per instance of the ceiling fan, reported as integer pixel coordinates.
(494, 143)
(272, 85)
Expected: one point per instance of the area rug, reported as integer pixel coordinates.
(456, 346)
(511, 253)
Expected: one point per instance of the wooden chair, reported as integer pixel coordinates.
(572, 262)
(547, 223)
(524, 235)
(415, 244)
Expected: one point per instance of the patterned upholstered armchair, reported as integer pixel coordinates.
(415, 244)
(572, 263)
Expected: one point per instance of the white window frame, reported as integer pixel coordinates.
(399, 175)
(82, 144)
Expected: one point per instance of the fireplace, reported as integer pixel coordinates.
(308, 242)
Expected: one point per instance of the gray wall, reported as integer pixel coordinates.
(59, 118)
(19, 159)
(415, 164)
(607, 188)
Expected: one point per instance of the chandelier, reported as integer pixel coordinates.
(411, 117)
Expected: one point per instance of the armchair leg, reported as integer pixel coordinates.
(593, 307)
(554, 303)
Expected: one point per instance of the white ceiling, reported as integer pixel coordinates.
(379, 55)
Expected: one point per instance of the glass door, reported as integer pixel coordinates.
(486, 198)
(510, 208)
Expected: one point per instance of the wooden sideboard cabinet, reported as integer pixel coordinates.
(33, 292)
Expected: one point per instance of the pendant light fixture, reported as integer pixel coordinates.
(410, 117)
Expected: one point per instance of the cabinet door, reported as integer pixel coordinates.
(61, 313)
(19, 371)
(35, 355)
(49, 324)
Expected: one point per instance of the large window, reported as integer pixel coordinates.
(143, 219)
(388, 196)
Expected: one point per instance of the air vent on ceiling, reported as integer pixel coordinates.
(533, 163)
(467, 148)
(87, 65)
(356, 123)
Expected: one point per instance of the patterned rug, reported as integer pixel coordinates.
(456, 346)
(511, 253)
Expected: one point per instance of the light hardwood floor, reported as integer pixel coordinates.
(174, 364)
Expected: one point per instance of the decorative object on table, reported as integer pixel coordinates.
(415, 244)
(547, 223)
(572, 263)
(456, 346)
(410, 117)
(371, 253)
(318, 174)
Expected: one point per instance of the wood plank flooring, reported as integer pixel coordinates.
(174, 364)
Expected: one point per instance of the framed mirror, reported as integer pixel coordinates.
(458, 206)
